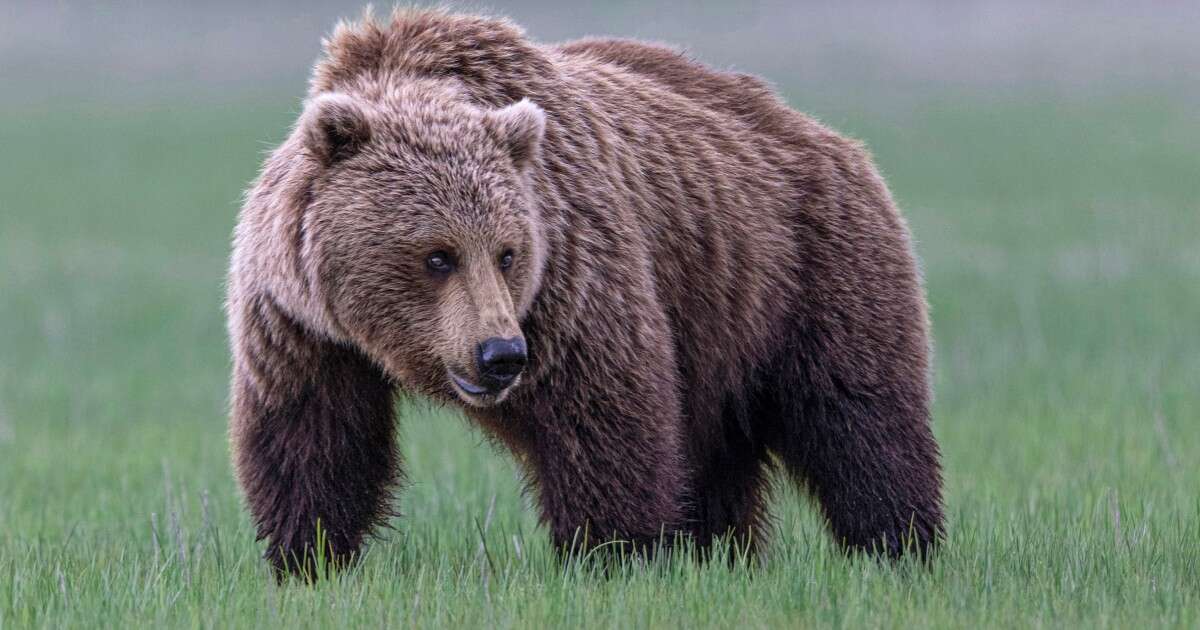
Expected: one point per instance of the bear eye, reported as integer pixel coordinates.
(440, 262)
(506, 260)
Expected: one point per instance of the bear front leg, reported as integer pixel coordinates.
(607, 462)
(606, 476)
(313, 440)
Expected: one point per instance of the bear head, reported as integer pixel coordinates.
(410, 233)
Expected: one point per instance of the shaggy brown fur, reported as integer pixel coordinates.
(703, 278)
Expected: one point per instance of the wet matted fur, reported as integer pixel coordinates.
(706, 280)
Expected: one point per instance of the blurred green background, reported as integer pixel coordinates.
(1046, 157)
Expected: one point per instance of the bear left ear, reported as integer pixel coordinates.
(335, 126)
(521, 126)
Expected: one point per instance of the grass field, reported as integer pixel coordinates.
(1061, 245)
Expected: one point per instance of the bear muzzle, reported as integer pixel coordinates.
(499, 363)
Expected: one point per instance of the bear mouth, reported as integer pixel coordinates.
(467, 386)
(477, 395)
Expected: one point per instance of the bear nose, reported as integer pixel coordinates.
(500, 360)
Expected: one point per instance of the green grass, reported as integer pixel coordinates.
(1061, 243)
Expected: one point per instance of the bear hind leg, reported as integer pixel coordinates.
(730, 487)
(869, 459)
(729, 503)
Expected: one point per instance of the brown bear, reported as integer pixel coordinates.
(652, 281)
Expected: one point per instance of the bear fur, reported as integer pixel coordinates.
(710, 285)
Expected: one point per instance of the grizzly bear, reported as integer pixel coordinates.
(652, 281)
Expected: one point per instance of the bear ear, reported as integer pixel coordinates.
(335, 126)
(521, 127)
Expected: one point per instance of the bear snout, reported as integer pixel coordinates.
(499, 361)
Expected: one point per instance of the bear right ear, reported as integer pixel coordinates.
(521, 127)
(335, 127)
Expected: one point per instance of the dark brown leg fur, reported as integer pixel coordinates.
(731, 504)
(730, 491)
(606, 457)
(607, 477)
(869, 458)
(314, 441)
